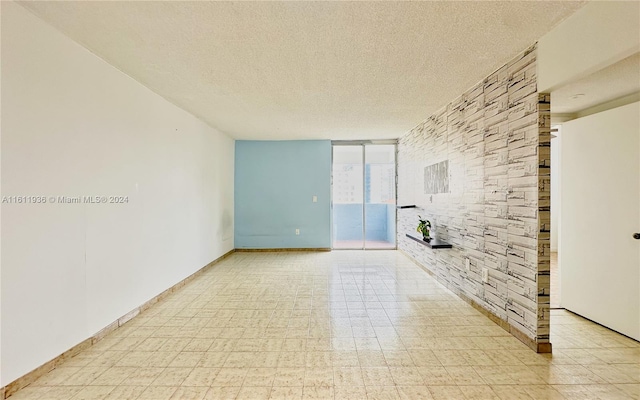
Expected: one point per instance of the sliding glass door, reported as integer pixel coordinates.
(364, 196)
(348, 197)
(380, 196)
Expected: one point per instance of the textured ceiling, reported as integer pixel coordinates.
(615, 81)
(302, 70)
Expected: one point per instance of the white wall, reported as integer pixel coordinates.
(555, 188)
(599, 259)
(598, 35)
(74, 125)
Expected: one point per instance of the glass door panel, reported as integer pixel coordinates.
(348, 190)
(380, 196)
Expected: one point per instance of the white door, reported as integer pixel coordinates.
(600, 211)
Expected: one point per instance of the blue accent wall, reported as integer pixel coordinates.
(275, 182)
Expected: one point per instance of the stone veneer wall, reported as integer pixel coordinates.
(496, 137)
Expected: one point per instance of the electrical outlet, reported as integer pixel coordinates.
(297, 231)
(314, 199)
(467, 265)
(485, 275)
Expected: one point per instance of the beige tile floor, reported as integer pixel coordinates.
(343, 325)
(369, 244)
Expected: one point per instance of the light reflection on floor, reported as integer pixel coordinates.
(336, 325)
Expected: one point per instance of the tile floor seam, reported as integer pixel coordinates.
(374, 313)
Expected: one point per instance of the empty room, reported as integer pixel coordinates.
(319, 200)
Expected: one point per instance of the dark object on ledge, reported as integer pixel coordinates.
(409, 206)
(433, 243)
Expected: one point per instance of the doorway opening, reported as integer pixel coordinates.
(364, 195)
